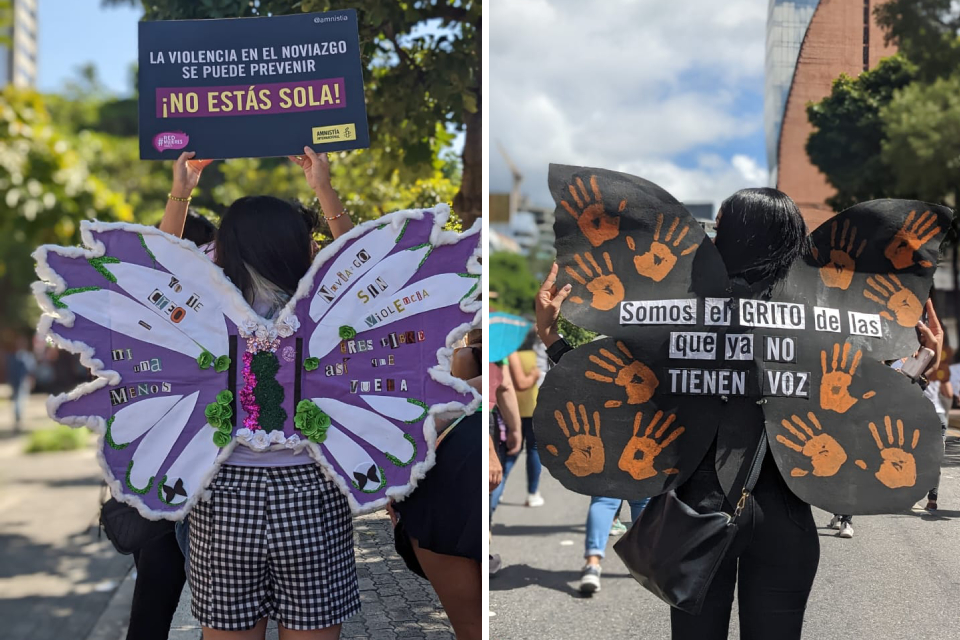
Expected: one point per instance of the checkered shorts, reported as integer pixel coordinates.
(272, 542)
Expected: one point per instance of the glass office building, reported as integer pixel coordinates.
(787, 22)
(18, 59)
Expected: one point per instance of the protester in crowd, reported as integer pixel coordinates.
(160, 562)
(240, 572)
(21, 364)
(843, 524)
(774, 586)
(443, 517)
(600, 518)
(941, 395)
(526, 377)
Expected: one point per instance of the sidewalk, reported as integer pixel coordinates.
(396, 603)
(56, 576)
(58, 581)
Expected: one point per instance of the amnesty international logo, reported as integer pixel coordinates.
(334, 133)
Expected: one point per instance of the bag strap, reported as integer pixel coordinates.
(754, 474)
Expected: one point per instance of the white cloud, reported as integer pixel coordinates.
(626, 85)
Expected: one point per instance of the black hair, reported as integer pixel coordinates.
(197, 229)
(271, 236)
(760, 235)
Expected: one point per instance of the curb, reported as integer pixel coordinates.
(112, 624)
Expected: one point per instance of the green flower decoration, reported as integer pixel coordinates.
(225, 427)
(221, 364)
(311, 364)
(221, 439)
(225, 397)
(347, 332)
(205, 360)
(311, 421)
(219, 415)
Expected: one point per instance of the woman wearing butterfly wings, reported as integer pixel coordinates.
(628, 251)
(271, 393)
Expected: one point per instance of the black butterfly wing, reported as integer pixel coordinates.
(639, 265)
(622, 241)
(860, 438)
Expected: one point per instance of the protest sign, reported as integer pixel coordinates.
(251, 87)
(693, 358)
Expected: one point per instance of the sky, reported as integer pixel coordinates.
(669, 91)
(74, 32)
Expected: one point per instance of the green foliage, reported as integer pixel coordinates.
(849, 131)
(46, 188)
(422, 61)
(574, 335)
(922, 145)
(925, 31)
(513, 283)
(57, 438)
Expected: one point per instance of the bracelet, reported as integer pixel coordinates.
(339, 215)
(170, 196)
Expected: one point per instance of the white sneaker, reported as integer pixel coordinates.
(534, 500)
(846, 530)
(590, 579)
(834, 522)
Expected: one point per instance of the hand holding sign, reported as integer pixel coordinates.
(186, 174)
(316, 168)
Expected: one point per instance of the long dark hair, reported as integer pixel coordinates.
(760, 234)
(269, 235)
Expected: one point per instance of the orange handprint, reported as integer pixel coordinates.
(596, 224)
(660, 259)
(895, 297)
(910, 238)
(586, 451)
(825, 453)
(899, 468)
(835, 384)
(607, 289)
(637, 379)
(641, 451)
(838, 272)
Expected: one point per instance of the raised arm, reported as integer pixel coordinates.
(186, 176)
(316, 169)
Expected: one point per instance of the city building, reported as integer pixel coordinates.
(809, 44)
(18, 59)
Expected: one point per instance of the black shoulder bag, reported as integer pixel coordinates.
(674, 552)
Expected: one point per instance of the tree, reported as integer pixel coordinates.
(925, 31)
(423, 69)
(849, 133)
(922, 142)
(511, 280)
(47, 188)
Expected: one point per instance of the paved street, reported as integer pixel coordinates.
(59, 582)
(897, 579)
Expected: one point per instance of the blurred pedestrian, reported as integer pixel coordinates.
(21, 364)
(443, 517)
(526, 376)
(600, 518)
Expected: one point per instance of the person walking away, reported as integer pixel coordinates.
(20, 367)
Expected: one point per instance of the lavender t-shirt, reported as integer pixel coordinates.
(242, 455)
